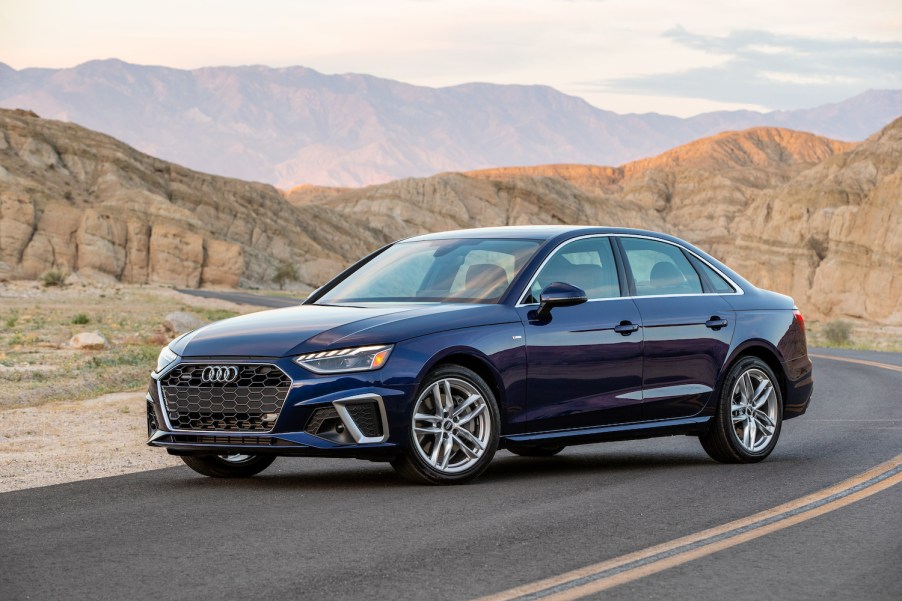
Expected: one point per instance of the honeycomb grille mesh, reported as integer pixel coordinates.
(320, 418)
(250, 403)
(366, 416)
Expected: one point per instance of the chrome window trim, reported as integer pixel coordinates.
(159, 377)
(738, 291)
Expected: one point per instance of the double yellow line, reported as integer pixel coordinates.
(857, 361)
(627, 568)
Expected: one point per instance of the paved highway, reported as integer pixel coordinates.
(246, 298)
(345, 529)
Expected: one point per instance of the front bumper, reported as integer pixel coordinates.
(291, 433)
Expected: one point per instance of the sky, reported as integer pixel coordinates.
(678, 57)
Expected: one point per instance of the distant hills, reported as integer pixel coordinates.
(802, 214)
(294, 125)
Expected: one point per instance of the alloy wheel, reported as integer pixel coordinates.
(452, 425)
(754, 408)
(235, 458)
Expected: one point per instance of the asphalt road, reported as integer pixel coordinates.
(245, 298)
(346, 529)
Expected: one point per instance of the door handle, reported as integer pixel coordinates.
(715, 323)
(625, 328)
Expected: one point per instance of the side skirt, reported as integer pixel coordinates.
(670, 427)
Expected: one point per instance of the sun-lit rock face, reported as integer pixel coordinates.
(798, 213)
(75, 200)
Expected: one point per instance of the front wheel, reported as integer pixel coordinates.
(749, 414)
(454, 428)
(228, 466)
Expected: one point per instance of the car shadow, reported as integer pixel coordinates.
(505, 467)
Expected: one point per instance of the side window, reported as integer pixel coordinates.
(660, 268)
(587, 264)
(718, 284)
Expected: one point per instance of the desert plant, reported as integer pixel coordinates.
(838, 332)
(285, 272)
(53, 278)
(80, 319)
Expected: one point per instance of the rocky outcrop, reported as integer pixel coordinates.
(794, 212)
(801, 214)
(832, 237)
(75, 200)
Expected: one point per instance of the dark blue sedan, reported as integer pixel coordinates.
(435, 351)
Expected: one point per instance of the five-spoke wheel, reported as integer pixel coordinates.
(753, 409)
(453, 428)
(749, 414)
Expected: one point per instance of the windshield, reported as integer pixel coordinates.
(446, 271)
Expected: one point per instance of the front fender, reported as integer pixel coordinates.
(497, 352)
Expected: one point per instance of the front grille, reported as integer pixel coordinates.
(250, 403)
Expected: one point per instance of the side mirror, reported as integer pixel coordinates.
(559, 294)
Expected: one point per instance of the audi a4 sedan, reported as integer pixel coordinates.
(434, 352)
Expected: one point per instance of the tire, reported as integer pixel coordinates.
(450, 442)
(749, 418)
(536, 451)
(228, 466)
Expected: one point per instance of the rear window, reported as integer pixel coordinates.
(660, 268)
(717, 282)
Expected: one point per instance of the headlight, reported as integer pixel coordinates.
(362, 358)
(166, 357)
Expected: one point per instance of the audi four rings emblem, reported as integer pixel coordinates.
(219, 373)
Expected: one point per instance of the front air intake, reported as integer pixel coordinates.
(358, 420)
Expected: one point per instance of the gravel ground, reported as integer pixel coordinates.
(64, 442)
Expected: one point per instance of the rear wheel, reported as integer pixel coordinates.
(749, 414)
(228, 466)
(535, 451)
(453, 428)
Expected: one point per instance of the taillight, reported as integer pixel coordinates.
(799, 318)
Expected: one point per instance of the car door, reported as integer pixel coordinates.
(687, 330)
(584, 362)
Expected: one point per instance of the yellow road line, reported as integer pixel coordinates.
(593, 579)
(858, 361)
(664, 564)
(743, 525)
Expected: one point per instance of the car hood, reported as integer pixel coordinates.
(296, 330)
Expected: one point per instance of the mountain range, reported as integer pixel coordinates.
(290, 126)
(798, 213)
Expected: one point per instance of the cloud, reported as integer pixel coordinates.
(773, 70)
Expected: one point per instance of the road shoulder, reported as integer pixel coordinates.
(66, 442)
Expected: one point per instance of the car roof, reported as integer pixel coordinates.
(533, 232)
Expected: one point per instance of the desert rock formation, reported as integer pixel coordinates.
(78, 201)
(801, 214)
